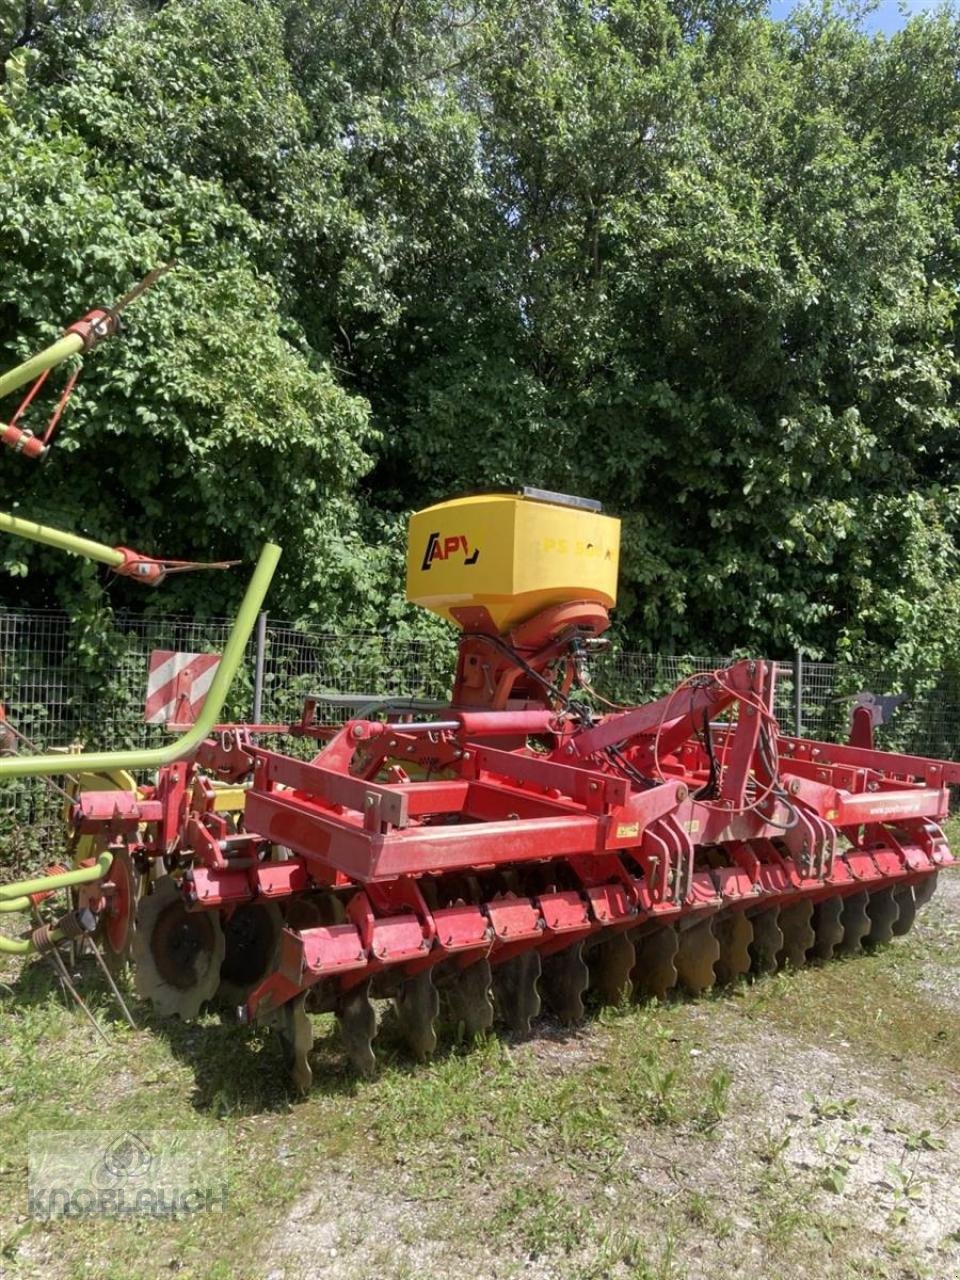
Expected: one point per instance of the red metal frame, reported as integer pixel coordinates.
(566, 828)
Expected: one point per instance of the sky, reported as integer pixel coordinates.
(887, 17)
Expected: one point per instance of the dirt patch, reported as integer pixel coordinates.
(884, 1164)
(346, 1229)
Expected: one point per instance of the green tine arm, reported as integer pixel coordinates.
(63, 541)
(69, 345)
(61, 880)
(187, 743)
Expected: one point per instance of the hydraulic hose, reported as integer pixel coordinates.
(187, 743)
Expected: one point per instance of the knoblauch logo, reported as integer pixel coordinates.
(443, 550)
(102, 1174)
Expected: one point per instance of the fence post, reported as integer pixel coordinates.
(258, 668)
(798, 694)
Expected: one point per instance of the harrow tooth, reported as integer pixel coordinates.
(515, 993)
(907, 910)
(798, 934)
(563, 981)
(178, 953)
(358, 1027)
(883, 911)
(296, 1037)
(418, 1005)
(252, 938)
(697, 954)
(468, 999)
(767, 940)
(827, 928)
(924, 889)
(855, 921)
(655, 972)
(611, 961)
(734, 934)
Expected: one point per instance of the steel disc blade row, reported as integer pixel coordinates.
(689, 957)
(296, 1037)
(798, 934)
(611, 962)
(184, 957)
(563, 981)
(468, 1000)
(827, 927)
(734, 934)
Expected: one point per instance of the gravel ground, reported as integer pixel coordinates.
(824, 1161)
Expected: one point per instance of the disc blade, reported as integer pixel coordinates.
(827, 928)
(515, 994)
(697, 954)
(855, 921)
(469, 1000)
(178, 954)
(611, 962)
(924, 889)
(906, 910)
(303, 913)
(296, 1035)
(767, 940)
(798, 935)
(418, 1005)
(734, 934)
(252, 941)
(655, 972)
(358, 1027)
(563, 981)
(883, 911)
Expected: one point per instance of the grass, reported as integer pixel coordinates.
(651, 1145)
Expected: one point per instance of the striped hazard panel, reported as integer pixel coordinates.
(177, 684)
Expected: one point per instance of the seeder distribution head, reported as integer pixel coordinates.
(529, 580)
(511, 556)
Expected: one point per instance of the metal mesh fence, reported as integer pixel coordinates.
(62, 684)
(297, 663)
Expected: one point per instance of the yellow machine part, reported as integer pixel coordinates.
(228, 799)
(511, 553)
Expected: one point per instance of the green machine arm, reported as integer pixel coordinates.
(60, 539)
(78, 339)
(15, 897)
(147, 570)
(71, 344)
(155, 757)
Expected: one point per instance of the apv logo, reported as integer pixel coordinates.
(443, 550)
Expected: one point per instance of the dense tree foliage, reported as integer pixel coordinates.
(701, 265)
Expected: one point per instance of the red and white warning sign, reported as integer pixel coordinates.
(177, 684)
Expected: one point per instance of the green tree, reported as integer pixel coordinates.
(685, 259)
